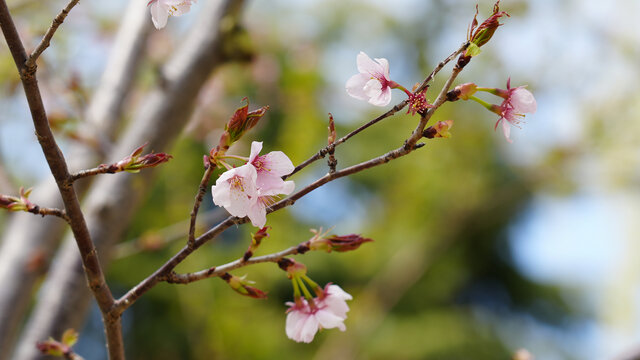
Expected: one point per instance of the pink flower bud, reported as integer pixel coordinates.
(337, 243)
(134, 162)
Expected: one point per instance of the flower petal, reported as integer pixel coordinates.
(329, 320)
(383, 99)
(368, 66)
(256, 146)
(384, 63)
(506, 129)
(523, 101)
(355, 86)
(278, 163)
(257, 213)
(159, 15)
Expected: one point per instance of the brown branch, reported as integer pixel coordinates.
(58, 167)
(37, 210)
(202, 189)
(46, 41)
(92, 172)
(165, 271)
(215, 271)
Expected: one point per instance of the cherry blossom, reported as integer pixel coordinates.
(270, 168)
(236, 190)
(250, 189)
(517, 101)
(372, 83)
(328, 311)
(162, 9)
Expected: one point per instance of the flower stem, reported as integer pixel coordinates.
(490, 107)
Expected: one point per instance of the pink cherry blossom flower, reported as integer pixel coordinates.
(236, 190)
(372, 83)
(270, 168)
(517, 101)
(329, 311)
(162, 9)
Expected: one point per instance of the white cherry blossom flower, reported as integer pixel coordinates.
(162, 9)
(236, 190)
(372, 83)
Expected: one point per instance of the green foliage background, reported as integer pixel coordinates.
(439, 282)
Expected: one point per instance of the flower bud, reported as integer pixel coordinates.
(243, 286)
(439, 130)
(337, 243)
(292, 267)
(462, 91)
(483, 33)
(243, 120)
(134, 162)
(256, 239)
(332, 130)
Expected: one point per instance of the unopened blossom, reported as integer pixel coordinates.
(327, 311)
(517, 101)
(162, 9)
(372, 83)
(236, 190)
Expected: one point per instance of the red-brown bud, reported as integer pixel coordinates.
(242, 121)
(483, 33)
(134, 162)
(338, 243)
(243, 286)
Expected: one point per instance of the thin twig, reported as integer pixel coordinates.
(174, 278)
(46, 40)
(165, 272)
(59, 170)
(37, 210)
(202, 189)
(324, 151)
(92, 172)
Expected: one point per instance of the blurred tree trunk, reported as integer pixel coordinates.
(29, 242)
(112, 199)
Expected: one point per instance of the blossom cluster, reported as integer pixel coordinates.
(327, 311)
(249, 189)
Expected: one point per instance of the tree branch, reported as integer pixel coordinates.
(46, 41)
(202, 189)
(409, 146)
(58, 167)
(324, 151)
(215, 271)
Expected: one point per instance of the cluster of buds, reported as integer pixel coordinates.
(515, 103)
(307, 313)
(480, 35)
(242, 121)
(22, 203)
(343, 243)
(243, 286)
(60, 348)
(135, 162)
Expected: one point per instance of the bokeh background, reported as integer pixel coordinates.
(481, 247)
